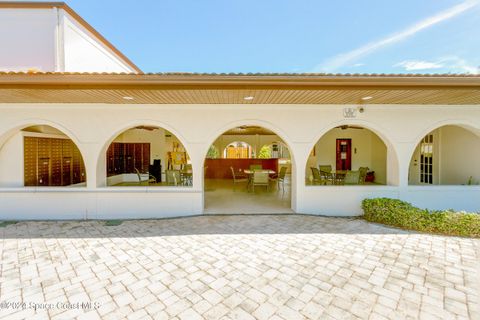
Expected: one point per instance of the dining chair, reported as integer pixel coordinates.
(352, 177)
(325, 168)
(260, 178)
(141, 181)
(280, 178)
(363, 174)
(173, 177)
(238, 177)
(186, 177)
(317, 179)
(326, 173)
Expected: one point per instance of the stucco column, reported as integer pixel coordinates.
(404, 152)
(299, 153)
(90, 159)
(197, 153)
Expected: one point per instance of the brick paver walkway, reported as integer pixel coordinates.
(235, 267)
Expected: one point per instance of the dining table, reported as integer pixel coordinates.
(250, 172)
(339, 176)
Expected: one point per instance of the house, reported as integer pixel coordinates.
(85, 134)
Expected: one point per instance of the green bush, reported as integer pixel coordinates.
(4, 224)
(113, 223)
(402, 214)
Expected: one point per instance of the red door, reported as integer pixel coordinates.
(344, 154)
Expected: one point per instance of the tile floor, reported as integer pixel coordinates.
(235, 267)
(221, 198)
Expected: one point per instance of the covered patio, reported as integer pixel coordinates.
(309, 114)
(348, 155)
(247, 170)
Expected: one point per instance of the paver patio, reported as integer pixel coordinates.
(236, 267)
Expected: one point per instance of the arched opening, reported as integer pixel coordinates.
(49, 159)
(147, 156)
(448, 155)
(248, 177)
(348, 155)
(238, 150)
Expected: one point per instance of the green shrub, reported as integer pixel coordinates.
(402, 214)
(113, 223)
(4, 224)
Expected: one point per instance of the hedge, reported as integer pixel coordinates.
(402, 214)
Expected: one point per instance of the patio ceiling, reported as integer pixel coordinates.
(249, 130)
(181, 88)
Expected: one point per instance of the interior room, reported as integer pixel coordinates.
(50, 159)
(148, 156)
(449, 155)
(348, 155)
(248, 170)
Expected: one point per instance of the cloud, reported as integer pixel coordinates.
(410, 65)
(345, 58)
(450, 64)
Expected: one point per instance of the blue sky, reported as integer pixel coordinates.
(368, 36)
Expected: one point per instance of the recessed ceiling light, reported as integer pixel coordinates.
(367, 98)
(248, 98)
(128, 98)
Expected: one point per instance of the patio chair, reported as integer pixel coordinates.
(173, 177)
(351, 177)
(325, 168)
(260, 178)
(317, 179)
(147, 181)
(363, 174)
(280, 178)
(186, 178)
(238, 177)
(326, 173)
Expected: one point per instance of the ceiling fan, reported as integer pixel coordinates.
(248, 127)
(148, 128)
(344, 127)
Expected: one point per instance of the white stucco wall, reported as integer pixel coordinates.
(49, 39)
(83, 52)
(299, 126)
(27, 39)
(11, 159)
(459, 156)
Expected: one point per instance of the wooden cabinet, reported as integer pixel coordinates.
(145, 157)
(56, 162)
(67, 162)
(126, 157)
(130, 156)
(30, 161)
(52, 162)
